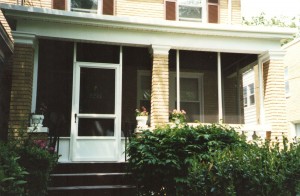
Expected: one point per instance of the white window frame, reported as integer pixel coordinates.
(98, 11)
(204, 12)
(248, 95)
(175, 84)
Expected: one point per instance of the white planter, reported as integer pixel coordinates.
(141, 121)
(36, 120)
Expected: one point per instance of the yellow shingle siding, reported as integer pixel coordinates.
(141, 8)
(292, 61)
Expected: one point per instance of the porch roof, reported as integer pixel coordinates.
(43, 22)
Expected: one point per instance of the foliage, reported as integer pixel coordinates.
(177, 115)
(39, 160)
(248, 170)
(274, 21)
(141, 112)
(212, 160)
(160, 160)
(12, 175)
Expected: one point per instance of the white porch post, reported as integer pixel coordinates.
(220, 95)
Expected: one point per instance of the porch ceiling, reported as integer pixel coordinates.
(145, 32)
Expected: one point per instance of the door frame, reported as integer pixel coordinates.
(75, 110)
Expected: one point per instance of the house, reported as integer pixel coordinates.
(292, 81)
(90, 64)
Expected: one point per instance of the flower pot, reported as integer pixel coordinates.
(141, 121)
(37, 120)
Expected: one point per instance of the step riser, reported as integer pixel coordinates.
(67, 168)
(88, 179)
(107, 192)
(91, 180)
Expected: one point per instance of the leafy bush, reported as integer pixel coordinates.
(212, 160)
(249, 170)
(160, 160)
(38, 160)
(12, 175)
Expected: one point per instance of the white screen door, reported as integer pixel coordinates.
(96, 112)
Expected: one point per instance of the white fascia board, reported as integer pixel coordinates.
(149, 24)
(145, 32)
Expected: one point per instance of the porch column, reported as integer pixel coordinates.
(160, 86)
(274, 101)
(21, 85)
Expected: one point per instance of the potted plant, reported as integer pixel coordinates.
(177, 116)
(38, 117)
(141, 117)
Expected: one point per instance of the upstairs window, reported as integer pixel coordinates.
(190, 10)
(105, 7)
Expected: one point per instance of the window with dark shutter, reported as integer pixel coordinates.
(213, 11)
(170, 10)
(108, 7)
(59, 4)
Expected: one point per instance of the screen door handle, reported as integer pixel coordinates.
(75, 115)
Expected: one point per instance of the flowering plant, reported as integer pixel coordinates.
(177, 115)
(141, 112)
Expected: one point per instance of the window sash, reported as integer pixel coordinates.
(190, 10)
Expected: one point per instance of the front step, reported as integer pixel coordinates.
(88, 179)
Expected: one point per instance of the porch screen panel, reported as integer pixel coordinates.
(97, 91)
(98, 53)
(96, 127)
(236, 93)
(54, 86)
(198, 85)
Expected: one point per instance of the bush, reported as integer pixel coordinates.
(38, 160)
(250, 170)
(12, 175)
(212, 160)
(160, 160)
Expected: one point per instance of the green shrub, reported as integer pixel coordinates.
(160, 160)
(38, 160)
(212, 160)
(249, 170)
(12, 175)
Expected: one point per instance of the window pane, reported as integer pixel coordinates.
(97, 91)
(190, 12)
(252, 100)
(251, 88)
(189, 90)
(145, 87)
(84, 5)
(95, 127)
